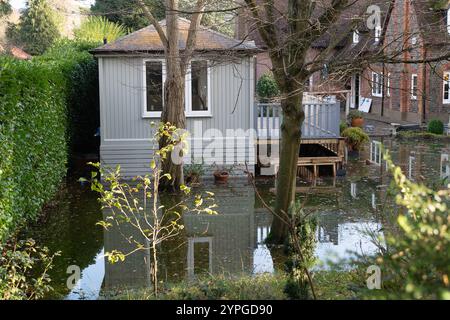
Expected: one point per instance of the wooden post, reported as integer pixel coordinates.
(347, 103)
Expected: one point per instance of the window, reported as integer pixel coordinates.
(446, 88)
(199, 257)
(411, 167)
(377, 84)
(414, 86)
(445, 166)
(154, 84)
(196, 92)
(375, 152)
(355, 36)
(198, 89)
(377, 33)
(388, 85)
(448, 20)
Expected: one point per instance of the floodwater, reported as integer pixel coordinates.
(232, 242)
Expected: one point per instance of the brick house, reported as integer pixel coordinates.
(414, 92)
(416, 31)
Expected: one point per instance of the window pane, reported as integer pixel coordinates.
(154, 76)
(414, 86)
(199, 80)
(446, 89)
(446, 86)
(201, 257)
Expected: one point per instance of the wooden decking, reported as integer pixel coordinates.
(334, 158)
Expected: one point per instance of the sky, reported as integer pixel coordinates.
(18, 4)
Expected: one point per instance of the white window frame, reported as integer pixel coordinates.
(388, 84)
(377, 84)
(448, 20)
(191, 253)
(187, 92)
(375, 152)
(377, 33)
(446, 75)
(355, 36)
(414, 75)
(145, 113)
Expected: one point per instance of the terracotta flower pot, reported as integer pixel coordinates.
(221, 176)
(357, 122)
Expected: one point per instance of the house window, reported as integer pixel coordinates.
(154, 84)
(388, 85)
(375, 152)
(199, 257)
(414, 86)
(377, 84)
(196, 92)
(199, 87)
(355, 36)
(448, 20)
(445, 166)
(446, 88)
(377, 33)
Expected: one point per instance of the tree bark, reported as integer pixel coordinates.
(173, 110)
(293, 116)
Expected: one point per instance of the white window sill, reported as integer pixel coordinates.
(377, 95)
(199, 115)
(157, 115)
(413, 98)
(446, 102)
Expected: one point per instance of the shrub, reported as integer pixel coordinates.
(24, 270)
(34, 99)
(355, 114)
(99, 28)
(415, 262)
(355, 137)
(267, 87)
(342, 127)
(436, 127)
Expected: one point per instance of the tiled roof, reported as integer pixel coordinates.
(15, 52)
(147, 40)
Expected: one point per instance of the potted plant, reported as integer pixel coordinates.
(222, 173)
(193, 173)
(355, 138)
(356, 118)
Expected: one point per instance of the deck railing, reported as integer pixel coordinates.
(321, 120)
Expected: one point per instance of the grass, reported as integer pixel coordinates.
(244, 287)
(338, 285)
(330, 285)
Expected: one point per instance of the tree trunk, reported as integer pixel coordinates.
(173, 110)
(293, 116)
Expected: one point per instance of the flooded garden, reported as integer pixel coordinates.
(349, 211)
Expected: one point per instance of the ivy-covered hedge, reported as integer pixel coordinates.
(34, 102)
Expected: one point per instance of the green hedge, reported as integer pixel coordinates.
(34, 99)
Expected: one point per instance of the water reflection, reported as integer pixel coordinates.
(232, 242)
(90, 284)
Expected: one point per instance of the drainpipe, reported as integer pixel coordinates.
(384, 91)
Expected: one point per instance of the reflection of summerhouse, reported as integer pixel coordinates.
(223, 242)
